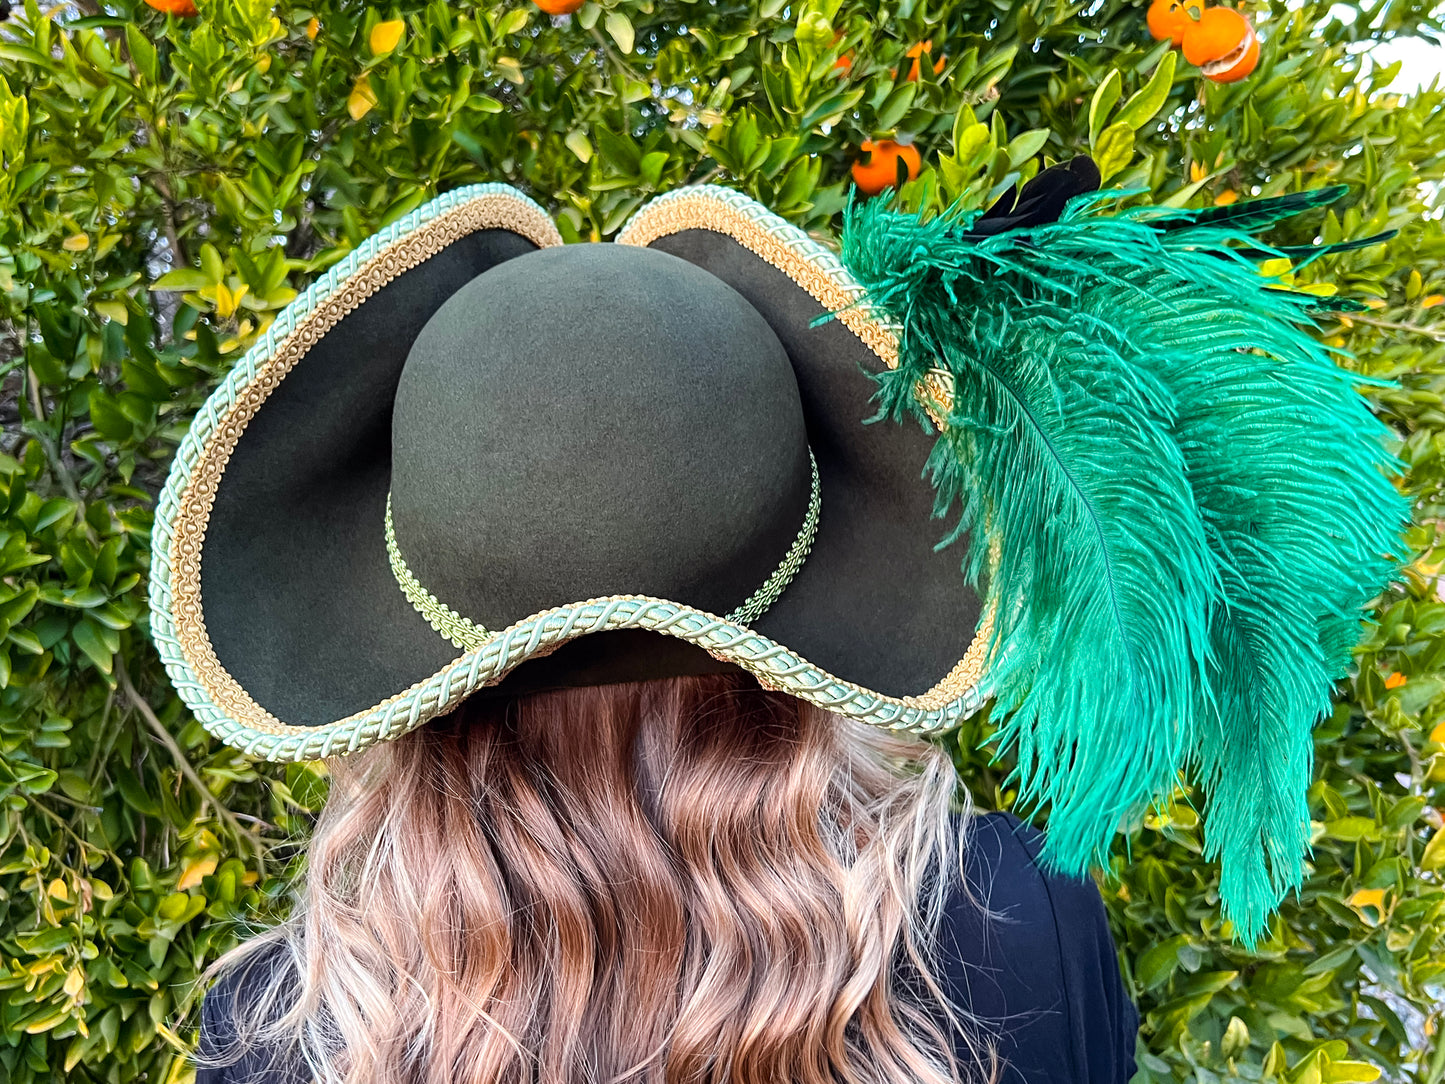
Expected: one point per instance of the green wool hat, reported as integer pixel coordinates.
(470, 460)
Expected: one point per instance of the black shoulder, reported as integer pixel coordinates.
(1029, 954)
(235, 990)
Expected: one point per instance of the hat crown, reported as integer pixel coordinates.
(592, 420)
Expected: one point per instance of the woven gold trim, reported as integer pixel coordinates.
(756, 604)
(193, 511)
(195, 502)
(702, 211)
(467, 635)
(957, 683)
(699, 211)
(966, 674)
(463, 632)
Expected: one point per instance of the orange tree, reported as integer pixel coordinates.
(168, 184)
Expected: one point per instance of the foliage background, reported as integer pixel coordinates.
(166, 185)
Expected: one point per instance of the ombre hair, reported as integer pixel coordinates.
(683, 881)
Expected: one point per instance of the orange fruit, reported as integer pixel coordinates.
(182, 8)
(916, 53)
(1222, 44)
(1170, 18)
(879, 168)
(559, 7)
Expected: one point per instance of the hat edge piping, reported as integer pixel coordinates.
(774, 665)
(956, 695)
(181, 499)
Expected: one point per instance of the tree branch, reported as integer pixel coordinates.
(221, 813)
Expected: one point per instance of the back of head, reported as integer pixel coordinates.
(683, 880)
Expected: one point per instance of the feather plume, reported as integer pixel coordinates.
(1190, 503)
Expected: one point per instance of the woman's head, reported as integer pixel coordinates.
(689, 880)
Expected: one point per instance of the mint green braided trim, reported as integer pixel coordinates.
(775, 665)
(758, 602)
(462, 632)
(468, 635)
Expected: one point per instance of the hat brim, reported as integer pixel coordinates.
(281, 534)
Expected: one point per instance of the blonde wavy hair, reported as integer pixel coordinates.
(685, 881)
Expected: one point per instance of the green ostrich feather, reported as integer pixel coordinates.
(1191, 502)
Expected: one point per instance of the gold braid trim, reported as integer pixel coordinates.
(701, 210)
(492, 211)
(252, 727)
(705, 209)
(463, 632)
(466, 634)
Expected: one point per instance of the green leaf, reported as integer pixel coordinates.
(1330, 961)
(513, 22)
(26, 641)
(1114, 150)
(577, 143)
(108, 418)
(212, 265)
(510, 69)
(84, 597)
(1027, 144)
(970, 141)
(1140, 109)
(651, 167)
(895, 107)
(1352, 828)
(142, 53)
(1236, 1036)
(47, 941)
(1104, 98)
(89, 636)
(134, 793)
(1157, 963)
(1350, 1072)
(1433, 857)
(188, 279)
(619, 28)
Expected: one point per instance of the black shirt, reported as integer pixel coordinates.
(1029, 954)
(1031, 957)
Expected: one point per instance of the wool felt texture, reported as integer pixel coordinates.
(301, 604)
(875, 602)
(593, 420)
(606, 658)
(568, 423)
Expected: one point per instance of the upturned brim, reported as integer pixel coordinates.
(271, 618)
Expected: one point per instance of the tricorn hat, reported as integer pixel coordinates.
(471, 460)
